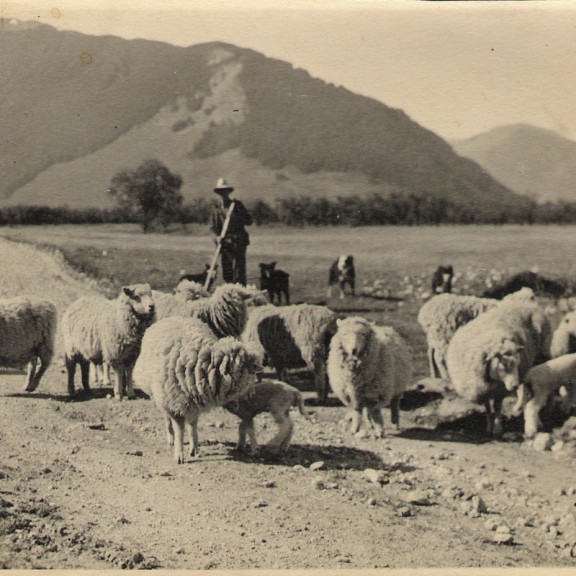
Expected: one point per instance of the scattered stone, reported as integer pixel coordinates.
(478, 506)
(298, 467)
(317, 465)
(166, 473)
(122, 520)
(503, 538)
(543, 441)
(270, 484)
(261, 504)
(405, 512)
(375, 476)
(503, 529)
(491, 524)
(371, 502)
(484, 485)
(318, 484)
(418, 498)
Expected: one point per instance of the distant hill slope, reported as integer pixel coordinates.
(77, 108)
(526, 159)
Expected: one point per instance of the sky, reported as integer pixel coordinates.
(456, 68)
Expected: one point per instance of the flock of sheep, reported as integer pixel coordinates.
(192, 351)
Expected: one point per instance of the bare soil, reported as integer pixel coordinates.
(91, 484)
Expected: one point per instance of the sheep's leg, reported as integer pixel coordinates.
(498, 428)
(531, 417)
(120, 381)
(489, 418)
(85, 373)
(242, 429)
(192, 426)
(375, 415)
(285, 427)
(169, 430)
(29, 387)
(251, 429)
(395, 411)
(71, 370)
(320, 380)
(432, 364)
(356, 420)
(178, 428)
(130, 383)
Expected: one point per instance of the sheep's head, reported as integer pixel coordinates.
(190, 290)
(355, 337)
(503, 366)
(139, 297)
(522, 296)
(227, 312)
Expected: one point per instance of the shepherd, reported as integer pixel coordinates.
(233, 237)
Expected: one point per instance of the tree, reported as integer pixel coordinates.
(150, 193)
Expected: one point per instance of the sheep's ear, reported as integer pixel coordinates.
(338, 322)
(128, 291)
(272, 264)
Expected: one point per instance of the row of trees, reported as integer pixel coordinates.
(150, 195)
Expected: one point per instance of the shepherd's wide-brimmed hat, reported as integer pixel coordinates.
(222, 186)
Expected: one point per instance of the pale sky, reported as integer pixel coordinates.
(457, 68)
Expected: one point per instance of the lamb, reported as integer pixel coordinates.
(294, 336)
(369, 367)
(538, 386)
(187, 370)
(269, 396)
(442, 315)
(27, 332)
(98, 330)
(564, 337)
(488, 357)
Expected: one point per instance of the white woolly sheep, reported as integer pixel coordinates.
(294, 336)
(187, 370)
(27, 332)
(369, 367)
(99, 330)
(488, 357)
(564, 337)
(442, 315)
(538, 386)
(269, 396)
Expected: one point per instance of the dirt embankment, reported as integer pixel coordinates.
(91, 484)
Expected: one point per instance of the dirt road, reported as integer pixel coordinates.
(91, 484)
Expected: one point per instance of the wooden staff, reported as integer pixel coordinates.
(219, 246)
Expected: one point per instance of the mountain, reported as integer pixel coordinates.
(526, 159)
(75, 109)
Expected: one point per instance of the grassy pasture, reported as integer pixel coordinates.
(403, 258)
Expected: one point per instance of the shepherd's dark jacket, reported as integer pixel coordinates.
(236, 233)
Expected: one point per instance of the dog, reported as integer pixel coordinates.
(275, 282)
(342, 273)
(442, 280)
(201, 278)
(270, 396)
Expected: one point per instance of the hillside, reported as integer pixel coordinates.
(75, 109)
(526, 159)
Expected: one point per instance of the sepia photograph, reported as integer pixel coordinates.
(288, 286)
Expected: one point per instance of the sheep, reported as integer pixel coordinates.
(269, 396)
(187, 370)
(540, 383)
(488, 357)
(295, 336)
(27, 332)
(442, 315)
(564, 337)
(369, 367)
(176, 304)
(99, 330)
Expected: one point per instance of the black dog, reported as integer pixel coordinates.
(275, 282)
(342, 273)
(201, 278)
(542, 286)
(442, 280)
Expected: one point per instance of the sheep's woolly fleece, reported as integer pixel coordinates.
(111, 331)
(498, 331)
(291, 336)
(185, 367)
(368, 364)
(442, 315)
(27, 330)
(564, 337)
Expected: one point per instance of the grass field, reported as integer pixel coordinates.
(402, 258)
